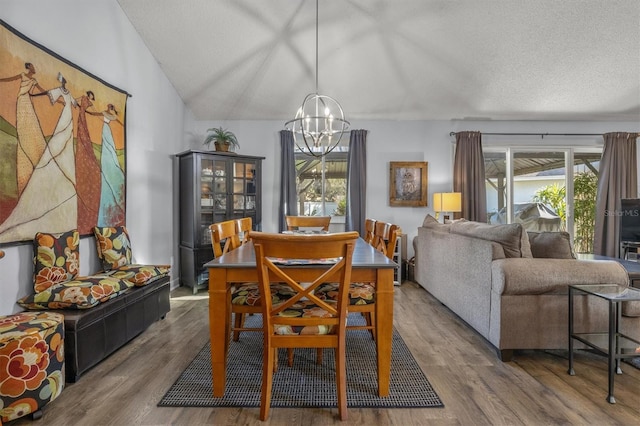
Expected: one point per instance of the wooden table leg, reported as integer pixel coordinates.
(219, 311)
(384, 328)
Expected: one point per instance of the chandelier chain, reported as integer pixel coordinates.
(319, 122)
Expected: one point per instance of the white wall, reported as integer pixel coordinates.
(399, 141)
(97, 36)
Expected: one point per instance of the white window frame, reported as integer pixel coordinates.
(569, 151)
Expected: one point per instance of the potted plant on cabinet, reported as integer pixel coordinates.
(221, 138)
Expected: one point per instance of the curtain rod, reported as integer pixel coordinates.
(542, 135)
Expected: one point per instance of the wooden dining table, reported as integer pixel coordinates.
(239, 265)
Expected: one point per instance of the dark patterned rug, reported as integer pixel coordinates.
(306, 384)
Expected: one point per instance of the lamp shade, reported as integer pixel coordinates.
(447, 202)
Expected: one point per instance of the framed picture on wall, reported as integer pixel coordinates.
(408, 183)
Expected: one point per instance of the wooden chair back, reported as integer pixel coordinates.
(385, 236)
(243, 227)
(224, 233)
(369, 229)
(294, 223)
(271, 251)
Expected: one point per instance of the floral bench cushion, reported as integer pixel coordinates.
(139, 275)
(81, 293)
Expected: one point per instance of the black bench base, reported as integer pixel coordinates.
(93, 334)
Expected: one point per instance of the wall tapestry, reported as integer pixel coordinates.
(62, 144)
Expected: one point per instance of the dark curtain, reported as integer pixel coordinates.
(288, 195)
(618, 178)
(468, 176)
(356, 182)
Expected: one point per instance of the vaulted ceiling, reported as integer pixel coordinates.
(399, 59)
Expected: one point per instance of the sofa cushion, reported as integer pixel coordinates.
(555, 245)
(56, 258)
(509, 236)
(139, 275)
(113, 246)
(81, 293)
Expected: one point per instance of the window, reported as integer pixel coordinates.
(322, 184)
(545, 189)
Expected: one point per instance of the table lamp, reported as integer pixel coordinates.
(447, 202)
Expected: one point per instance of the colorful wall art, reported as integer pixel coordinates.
(62, 144)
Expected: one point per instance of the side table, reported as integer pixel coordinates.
(611, 343)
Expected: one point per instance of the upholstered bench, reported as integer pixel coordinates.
(31, 363)
(93, 334)
(104, 311)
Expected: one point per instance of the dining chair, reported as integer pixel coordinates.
(243, 227)
(361, 294)
(385, 236)
(223, 237)
(369, 228)
(295, 223)
(245, 297)
(304, 320)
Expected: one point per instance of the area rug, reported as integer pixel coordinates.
(306, 384)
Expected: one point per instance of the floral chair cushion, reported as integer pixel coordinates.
(113, 246)
(31, 361)
(56, 258)
(304, 308)
(81, 293)
(139, 275)
(359, 293)
(248, 294)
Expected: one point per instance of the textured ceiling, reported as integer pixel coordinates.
(400, 59)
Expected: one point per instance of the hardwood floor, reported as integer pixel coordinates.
(476, 387)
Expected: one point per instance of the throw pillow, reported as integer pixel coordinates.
(554, 245)
(430, 221)
(525, 244)
(508, 236)
(113, 246)
(56, 258)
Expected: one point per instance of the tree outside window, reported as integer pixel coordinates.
(322, 184)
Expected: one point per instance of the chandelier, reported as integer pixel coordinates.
(319, 123)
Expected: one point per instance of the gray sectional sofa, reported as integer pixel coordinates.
(489, 277)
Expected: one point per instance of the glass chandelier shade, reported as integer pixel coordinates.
(319, 123)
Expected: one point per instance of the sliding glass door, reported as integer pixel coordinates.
(545, 189)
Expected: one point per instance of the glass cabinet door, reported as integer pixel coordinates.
(213, 195)
(244, 189)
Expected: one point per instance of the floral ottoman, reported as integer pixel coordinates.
(31, 363)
